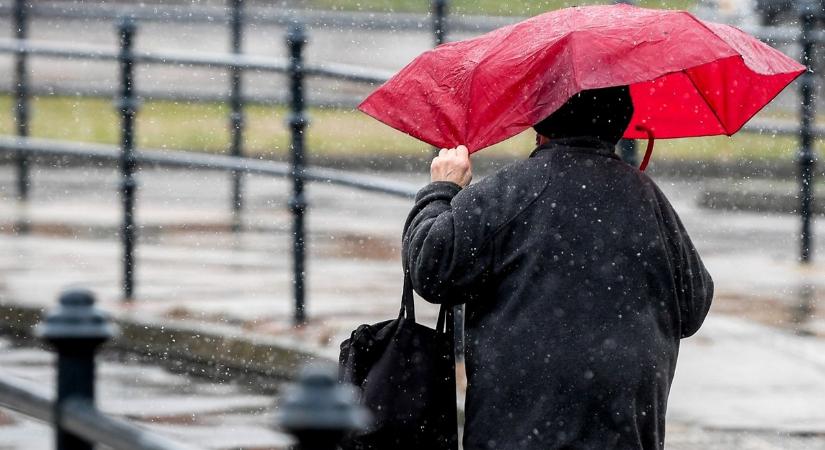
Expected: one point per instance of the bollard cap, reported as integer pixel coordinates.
(319, 402)
(76, 318)
(126, 24)
(296, 34)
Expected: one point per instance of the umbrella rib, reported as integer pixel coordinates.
(704, 98)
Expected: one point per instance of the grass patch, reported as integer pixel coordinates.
(480, 7)
(332, 133)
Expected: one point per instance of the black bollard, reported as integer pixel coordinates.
(236, 115)
(76, 329)
(297, 121)
(806, 158)
(319, 411)
(127, 106)
(21, 94)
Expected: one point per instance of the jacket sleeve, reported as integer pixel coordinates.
(442, 245)
(693, 283)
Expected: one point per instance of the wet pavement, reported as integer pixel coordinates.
(754, 377)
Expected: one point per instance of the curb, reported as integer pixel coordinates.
(209, 350)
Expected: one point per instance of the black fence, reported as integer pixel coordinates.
(317, 411)
(128, 105)
(297, 69)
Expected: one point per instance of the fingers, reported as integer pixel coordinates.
(452, 164)
(460, 151)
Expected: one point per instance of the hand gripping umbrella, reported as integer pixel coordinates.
(687, 77)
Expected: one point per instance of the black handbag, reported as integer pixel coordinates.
(405, 373)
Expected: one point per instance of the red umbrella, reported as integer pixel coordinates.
(687, 77)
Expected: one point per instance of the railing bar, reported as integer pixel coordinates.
(347, 72)
(373, 185)
(203, 161)
(26, 398)
(341, 19)
(80, 418)
(219, 15)
(203, 59)
(74, 91)
(48, 49)
(85, 421)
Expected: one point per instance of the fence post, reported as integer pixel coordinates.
(297, 121)
(627, 150)
(439, 11)
(627, 147)
(806, 158)
(236, 116)
(439, 15)
(21, 94)
(319, 411)
(128, 106)
(75, 329)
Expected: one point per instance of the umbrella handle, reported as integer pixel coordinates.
(649, 150)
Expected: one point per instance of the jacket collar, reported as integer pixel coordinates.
(578, 144)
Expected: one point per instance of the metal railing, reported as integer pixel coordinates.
(363, 20)
(317, 405)
(297, 70)
(235, 63)
(294, 67)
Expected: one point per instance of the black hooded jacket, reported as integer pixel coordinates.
(579, 281)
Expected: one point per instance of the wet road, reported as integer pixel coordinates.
(191, 410)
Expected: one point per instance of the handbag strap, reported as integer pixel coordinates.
(445, 323)
(445, 313)
(407, 302)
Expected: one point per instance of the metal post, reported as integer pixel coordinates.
(297, 121)
(806, 157)
(627, 147)
(627, 150)
(319, 411)
(128, 106)
(439, 21)
(21, 94)
(75, 329)
(236, 116)
(439, 14)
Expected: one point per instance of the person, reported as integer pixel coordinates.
(579, 281)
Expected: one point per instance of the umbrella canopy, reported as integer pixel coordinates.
(687, 77)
